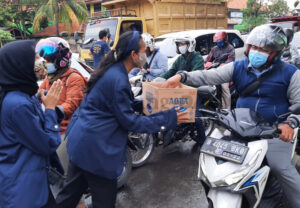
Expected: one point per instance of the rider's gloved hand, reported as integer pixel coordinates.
(287, 132)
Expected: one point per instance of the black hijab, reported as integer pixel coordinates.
(17, 68)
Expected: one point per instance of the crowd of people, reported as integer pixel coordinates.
(87, 122)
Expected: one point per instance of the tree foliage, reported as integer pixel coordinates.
(18, 14)
(6, 15)
(277, 8)
(254, 14)
(71, 12)
(5, 36)
(296, 3)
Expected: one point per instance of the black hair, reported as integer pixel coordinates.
(118, 54)
(102, 34)
(109, 35)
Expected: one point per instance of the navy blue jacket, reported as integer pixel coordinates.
(27, 137)
(270, 100)
(98, 131)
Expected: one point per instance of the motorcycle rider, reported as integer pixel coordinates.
(56, 52)
(222, 47)
(290, 54)
(157, 63)
(272, 97)
(189, 60)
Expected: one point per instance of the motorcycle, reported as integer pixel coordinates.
(136, 83)
(232, 164)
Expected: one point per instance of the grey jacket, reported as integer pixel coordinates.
(293, 57)
(224, 74)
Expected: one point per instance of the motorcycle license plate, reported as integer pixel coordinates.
(225, 149)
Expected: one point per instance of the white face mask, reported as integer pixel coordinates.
(183, 49)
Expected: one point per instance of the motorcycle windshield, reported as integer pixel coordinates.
(246, 123)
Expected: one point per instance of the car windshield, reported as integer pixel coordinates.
(93, 29)
(166, 46)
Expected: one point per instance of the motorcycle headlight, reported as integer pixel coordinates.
(239, 174)
(236, 177)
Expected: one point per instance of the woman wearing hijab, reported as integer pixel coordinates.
(97, 134)
(28, 136)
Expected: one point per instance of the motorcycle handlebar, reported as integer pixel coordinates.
(209, 112)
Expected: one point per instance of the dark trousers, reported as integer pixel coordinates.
(51, 201)
(103, 190)
(199, 124)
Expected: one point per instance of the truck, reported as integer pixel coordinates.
(156, 17)
(291, 22)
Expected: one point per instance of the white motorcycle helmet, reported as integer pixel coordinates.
(191, 44)
(149, 40)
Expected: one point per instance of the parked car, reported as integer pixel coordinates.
(204, 42)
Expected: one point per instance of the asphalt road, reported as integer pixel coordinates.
(167, 180)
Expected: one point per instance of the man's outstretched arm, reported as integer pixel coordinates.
(215, 76)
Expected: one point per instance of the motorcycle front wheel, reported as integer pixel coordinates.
(123, 178)
(144, 146)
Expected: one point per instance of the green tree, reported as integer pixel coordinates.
(71, 12)
(254, 14)
(296, 3)
(5, 36)
(277, 8)
(16, 13)
(6, 15)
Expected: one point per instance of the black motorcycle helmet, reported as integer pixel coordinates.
(271, 38)
(289, 35)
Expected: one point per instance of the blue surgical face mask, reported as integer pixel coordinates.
(50, 68)
(257, 58)
(220, 44)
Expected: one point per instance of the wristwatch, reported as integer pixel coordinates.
(183, 76)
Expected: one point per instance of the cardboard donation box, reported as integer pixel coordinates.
(156, 99)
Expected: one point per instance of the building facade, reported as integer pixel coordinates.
(235, 13)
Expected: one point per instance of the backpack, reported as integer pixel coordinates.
(77, 72)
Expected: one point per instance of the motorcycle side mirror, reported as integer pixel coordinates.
(76, 37)
(295, 109)
(111, 43)
(206, 90)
